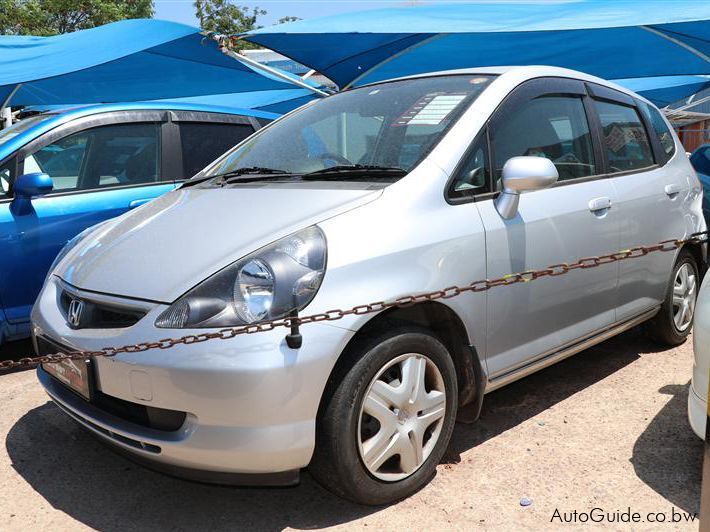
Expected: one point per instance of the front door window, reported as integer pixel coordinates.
(107, 156)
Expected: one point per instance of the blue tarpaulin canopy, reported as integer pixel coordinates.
(611, 39)
(668, 89)
(125, 61)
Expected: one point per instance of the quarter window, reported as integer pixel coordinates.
(665, 137)
(554, 127)
(473, 176)
(202, 143)
(106, 156)
(6, 177)
(625, 140)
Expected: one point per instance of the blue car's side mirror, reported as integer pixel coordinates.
(28, 186)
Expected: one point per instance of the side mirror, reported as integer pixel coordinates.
(522, 174)
(28, 186)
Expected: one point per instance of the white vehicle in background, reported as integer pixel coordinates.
(698, 393)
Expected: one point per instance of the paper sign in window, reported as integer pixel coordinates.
(430, 110)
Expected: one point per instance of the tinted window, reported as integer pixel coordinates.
(117, 155)
(625, 139)
(473, 176)
(393, 124)
(701, 160)
(554, 127)
(660, 127)
(202, 143)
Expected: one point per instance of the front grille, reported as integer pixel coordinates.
(97, 315)
(45, 346)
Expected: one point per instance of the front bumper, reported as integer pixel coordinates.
(250, 402)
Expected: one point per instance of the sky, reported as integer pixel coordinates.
(184, 11)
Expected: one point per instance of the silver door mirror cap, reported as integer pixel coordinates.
(522, 174)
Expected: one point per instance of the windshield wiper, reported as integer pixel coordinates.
(258, 172)
(340, 171)
(252, 173)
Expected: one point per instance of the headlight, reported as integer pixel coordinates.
(268, 284)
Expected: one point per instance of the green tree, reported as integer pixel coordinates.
(50, 17)
(225, 18)
(283, 20)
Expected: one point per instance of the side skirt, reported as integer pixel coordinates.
(567, 351)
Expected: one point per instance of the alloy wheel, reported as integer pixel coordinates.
(401, 417)
(684, 289)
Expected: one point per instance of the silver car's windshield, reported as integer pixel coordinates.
(388, 126)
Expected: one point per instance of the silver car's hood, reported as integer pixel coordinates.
(166, 247)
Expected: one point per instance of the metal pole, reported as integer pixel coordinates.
(222, 42)
(5, 111)
(688, 106)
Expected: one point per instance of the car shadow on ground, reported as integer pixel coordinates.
(527, 398)
(79, 476)
(668, 456)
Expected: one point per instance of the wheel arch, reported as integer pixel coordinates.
(440, 320)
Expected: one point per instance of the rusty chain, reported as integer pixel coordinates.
(378, 306)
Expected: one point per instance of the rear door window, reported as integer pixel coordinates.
(204, 142)
(625, 140)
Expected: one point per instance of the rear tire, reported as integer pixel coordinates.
(387, 418)
(674, 321)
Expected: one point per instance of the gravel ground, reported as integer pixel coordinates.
(605, 429)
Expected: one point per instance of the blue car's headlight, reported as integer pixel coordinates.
(265, 285)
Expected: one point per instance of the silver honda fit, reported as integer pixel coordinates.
(372, 194)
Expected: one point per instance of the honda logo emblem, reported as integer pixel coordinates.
(76, 309)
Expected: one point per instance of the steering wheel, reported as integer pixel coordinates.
(338, 159)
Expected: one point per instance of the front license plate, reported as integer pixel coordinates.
(74, 374)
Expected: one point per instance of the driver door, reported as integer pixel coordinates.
(573, 219)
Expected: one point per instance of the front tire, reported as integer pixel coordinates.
(672, 325)
(387, 419)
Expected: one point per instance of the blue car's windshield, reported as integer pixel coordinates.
(21, 127)
(391, 125)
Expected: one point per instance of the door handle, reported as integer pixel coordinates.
(672, 190)
(138, 203)
(599, 204)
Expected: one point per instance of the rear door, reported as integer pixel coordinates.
(650, 189)
(101, 166)
(575, 218)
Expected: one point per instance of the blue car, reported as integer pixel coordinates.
(63, 172)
